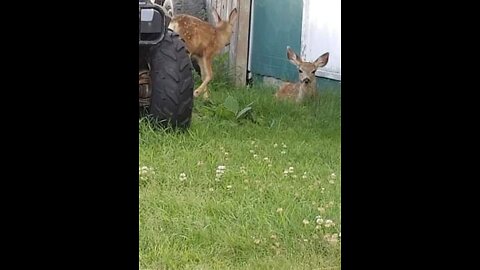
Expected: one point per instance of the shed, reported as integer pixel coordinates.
(266, 27)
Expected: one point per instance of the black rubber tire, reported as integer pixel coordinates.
(196, 8)
(172, 82)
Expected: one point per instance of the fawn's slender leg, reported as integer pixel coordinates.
(204, 75)
(206, 68)
(202, 68)
(209, 77)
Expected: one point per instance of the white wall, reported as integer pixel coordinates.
(321, 32)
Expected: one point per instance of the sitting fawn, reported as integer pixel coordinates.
(307, 86)
(204, 41)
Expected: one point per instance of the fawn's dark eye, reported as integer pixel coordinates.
(301, 71)
(313, 72)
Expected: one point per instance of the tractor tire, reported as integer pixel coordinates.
(171, 80)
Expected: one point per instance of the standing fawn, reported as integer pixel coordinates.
(204, 41)
(307, 86)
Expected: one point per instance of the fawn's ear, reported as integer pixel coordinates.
(322, 60)
(293, 57)
(233, 16)
(216, 17)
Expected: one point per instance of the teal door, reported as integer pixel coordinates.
(276, 25)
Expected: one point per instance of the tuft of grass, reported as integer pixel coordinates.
(231, 194)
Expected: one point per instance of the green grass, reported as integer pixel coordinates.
(251, 216)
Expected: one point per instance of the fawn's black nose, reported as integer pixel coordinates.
(306, 80)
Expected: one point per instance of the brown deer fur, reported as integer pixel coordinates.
(204, 41)
(307, 86)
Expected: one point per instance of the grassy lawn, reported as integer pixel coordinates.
(261, 192)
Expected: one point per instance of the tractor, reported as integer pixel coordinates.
(165, 69)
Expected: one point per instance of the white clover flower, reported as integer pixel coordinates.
(329, 223)
(319, 221)
(144, 170)
(331, 238)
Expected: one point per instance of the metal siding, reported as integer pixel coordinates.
(322, 33)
